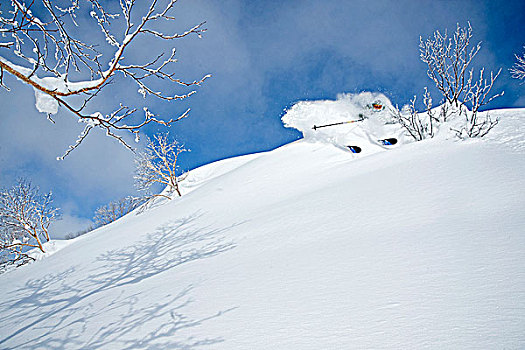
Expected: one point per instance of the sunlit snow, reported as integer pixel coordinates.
(308, 246)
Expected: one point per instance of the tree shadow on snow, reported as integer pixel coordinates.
(64, 311)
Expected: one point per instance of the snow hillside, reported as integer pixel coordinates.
(308, 246)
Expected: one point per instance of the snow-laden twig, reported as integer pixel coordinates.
(419, 126)
(478, 95)
(50, 53)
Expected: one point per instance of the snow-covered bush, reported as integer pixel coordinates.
(518, 70)
(115, 210)
(41, 45)
(25, 216)
(157, 164)
(448, 61)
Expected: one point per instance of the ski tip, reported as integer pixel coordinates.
(388, 142)
(354, 149)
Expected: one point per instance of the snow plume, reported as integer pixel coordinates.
(304, 115)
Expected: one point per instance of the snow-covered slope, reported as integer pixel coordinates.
(305, 247)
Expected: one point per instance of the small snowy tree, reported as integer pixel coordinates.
(40, 45)
(25, 216)
(157, 164)
(115, 210)
(518, 70)
(448, 61)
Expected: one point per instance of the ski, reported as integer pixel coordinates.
(388, 142)
(384, 142)
(361, 118)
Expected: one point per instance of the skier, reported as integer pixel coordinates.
(376, 106)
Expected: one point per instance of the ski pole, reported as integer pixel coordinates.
(315, 127)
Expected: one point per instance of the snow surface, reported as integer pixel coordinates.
(307, 246)
(50, 248)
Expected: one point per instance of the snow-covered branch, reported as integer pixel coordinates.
(419, 126)
(39, 46)
(448, 60)
(478, 95)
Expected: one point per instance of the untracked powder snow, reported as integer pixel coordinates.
(418, 245)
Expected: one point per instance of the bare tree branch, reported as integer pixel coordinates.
(518, 70)
(418, 125)
(49, 52)
(478, 96)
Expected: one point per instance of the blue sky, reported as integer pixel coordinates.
(264, 57)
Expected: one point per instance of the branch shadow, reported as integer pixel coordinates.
(58, 310)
